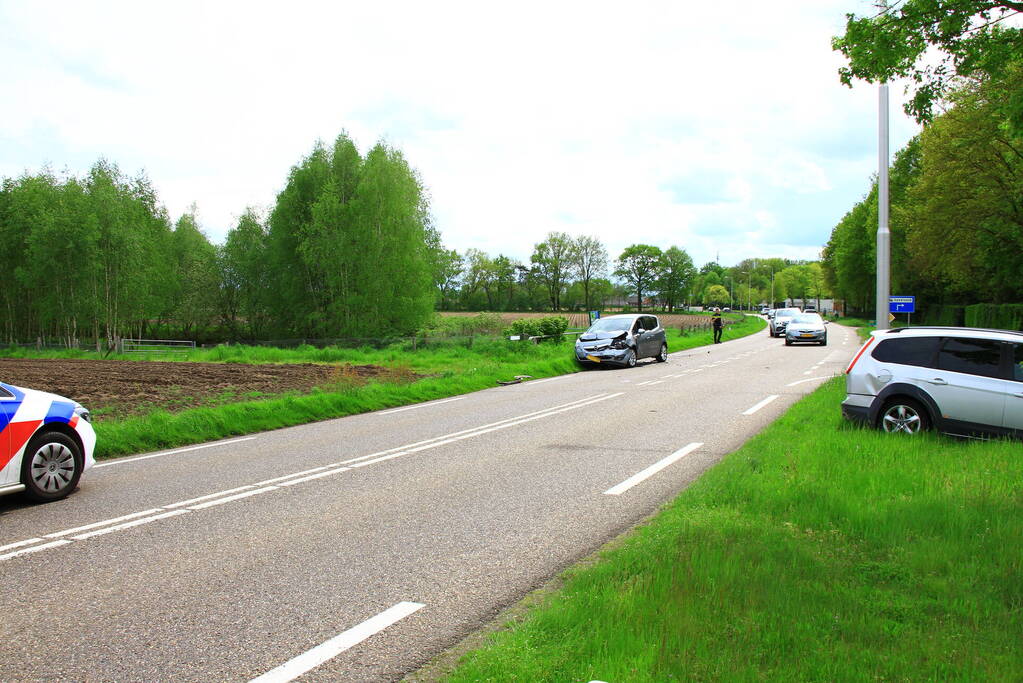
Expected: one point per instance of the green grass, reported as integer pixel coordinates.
(451, 369)
(819, 551)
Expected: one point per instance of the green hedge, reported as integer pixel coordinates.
(945, 315)
(995, 316)
(551, 326)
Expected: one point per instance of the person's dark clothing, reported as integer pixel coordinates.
(716, 322)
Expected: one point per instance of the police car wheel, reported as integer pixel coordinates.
(51, 466)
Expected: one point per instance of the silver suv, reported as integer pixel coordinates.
(622, 340)
(958, 380)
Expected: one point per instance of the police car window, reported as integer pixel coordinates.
(1017, 362)
(907, 351)
(971, 356)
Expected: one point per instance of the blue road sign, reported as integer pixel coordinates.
(902, 304)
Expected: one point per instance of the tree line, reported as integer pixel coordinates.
(348, 250)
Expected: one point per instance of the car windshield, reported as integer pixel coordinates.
(786, 312)
(808, 319)
(610, 325)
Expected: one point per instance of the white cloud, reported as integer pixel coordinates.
(655, 122)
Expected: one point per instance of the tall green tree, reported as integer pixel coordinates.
(934, 44)
(554, 259)
(591, 262)
(638, 267)
(676, 276)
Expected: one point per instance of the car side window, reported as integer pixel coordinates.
(917, 351)
(971, 356)
(650, 322)
(1017, 362)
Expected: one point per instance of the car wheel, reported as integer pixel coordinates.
(824, 342)
(904, 415)
(788, 342)
(630, 359)
(663, 355)
(51, 466)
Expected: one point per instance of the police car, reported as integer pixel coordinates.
(46, 443)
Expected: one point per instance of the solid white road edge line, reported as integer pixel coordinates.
(421, 405)
(68, 532)
(811, 379)
(231, 499)
(313, 658)
(652, 470)
(121, 461)
(760, 405)
(27, 541)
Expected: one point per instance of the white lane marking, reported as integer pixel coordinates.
(464, 431)
(811, 379)
(761, 404)
(656, 381)
(289, 476)
(26, 551)
(231, 499)
(313, 658)
(667, 376)
(115, 520)
(652, 470)
(310, 477)
(121, 461)
(128, 525)
(27, 541)
(643, 384)
(421, 405)
(190, 501)
(484, 431)
(808, 372)
(549, 379)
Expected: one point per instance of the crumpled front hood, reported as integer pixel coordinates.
(594, 336)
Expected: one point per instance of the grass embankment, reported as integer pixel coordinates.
(450, 370)
(818, 551)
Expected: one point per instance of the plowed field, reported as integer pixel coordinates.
(117, 388)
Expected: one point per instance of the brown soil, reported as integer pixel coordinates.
(118, 388)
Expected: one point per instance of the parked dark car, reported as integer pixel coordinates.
(622, 340)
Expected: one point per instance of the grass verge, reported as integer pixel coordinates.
(818, 551)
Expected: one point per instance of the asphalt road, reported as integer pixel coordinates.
(357, 549)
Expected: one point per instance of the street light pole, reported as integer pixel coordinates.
(884, 238)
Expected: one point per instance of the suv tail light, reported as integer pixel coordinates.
(862, 349)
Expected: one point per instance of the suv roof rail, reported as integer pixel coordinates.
(896, 330)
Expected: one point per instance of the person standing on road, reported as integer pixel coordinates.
(716, 322)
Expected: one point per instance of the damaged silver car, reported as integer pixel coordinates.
(622, 340)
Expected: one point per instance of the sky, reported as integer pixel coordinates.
(722, 129)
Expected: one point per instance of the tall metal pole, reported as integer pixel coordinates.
(884, 237)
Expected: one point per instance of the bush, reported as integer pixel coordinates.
(553, 325)
(525, 328)
(550, 327)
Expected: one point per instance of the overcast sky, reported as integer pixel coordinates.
(719, 128)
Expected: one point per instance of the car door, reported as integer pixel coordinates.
(967, 384)
(9, 471)
(1013, 417)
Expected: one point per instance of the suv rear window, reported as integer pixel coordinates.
(907, 351)
(971, 356)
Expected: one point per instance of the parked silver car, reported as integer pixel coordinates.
(808, 328)
(958, 380)
(622, 340)
(776, 325)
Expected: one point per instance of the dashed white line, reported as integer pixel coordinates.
(231, 499)
(68, 532)
(324, 652)
(652, 470)
(27, 541)
(760, 405)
